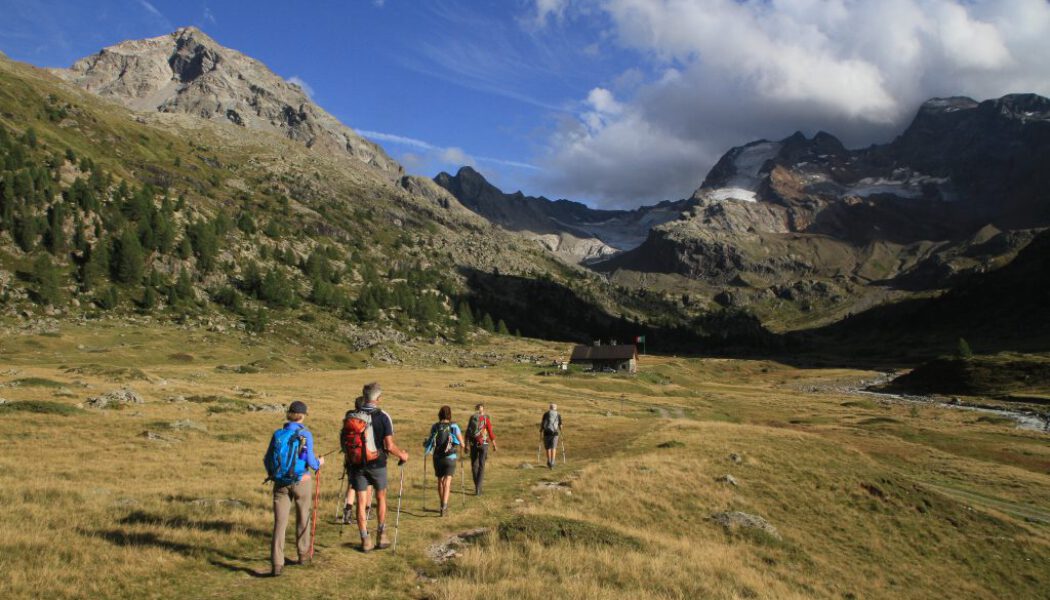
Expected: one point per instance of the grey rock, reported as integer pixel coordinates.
(736, 458)
(727, 478)
(525, 465)
(734, 520)
(115, 399)
(186, 424)
(272, 408)
(153, 436)
(452, 546)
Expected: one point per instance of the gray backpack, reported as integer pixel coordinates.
(552, 422)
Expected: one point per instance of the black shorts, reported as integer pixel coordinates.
(444, 467)
(550, 442)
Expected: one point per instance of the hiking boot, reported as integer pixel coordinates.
(348, 514)
(383, 542)
(303, 562)
(275, 571)
(444, 509)
(367, 543)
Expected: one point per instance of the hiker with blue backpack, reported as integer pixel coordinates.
(444, 439)
(288, 460)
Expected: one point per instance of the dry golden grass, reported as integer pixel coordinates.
(870, 500)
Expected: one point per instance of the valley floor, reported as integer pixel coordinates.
(162, 499)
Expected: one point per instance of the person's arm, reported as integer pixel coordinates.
(492, 436)
(388, 441)
(311, 459)
(391, 447)
(459, 436)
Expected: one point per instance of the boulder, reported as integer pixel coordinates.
(741, 520)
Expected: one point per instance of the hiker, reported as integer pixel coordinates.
(349, 508)
(367, 439)
(479, 436)
(290, 454)
(442, 441)
(550, 429)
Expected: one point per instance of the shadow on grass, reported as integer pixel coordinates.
(239, 569)
(120, 537)
(139, 517)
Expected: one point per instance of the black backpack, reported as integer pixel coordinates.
(444, 443)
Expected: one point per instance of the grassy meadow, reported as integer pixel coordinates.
(163, 499)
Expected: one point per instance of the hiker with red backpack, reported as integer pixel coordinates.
(479, 436)
(349, 507)
(287, 460)
(367, 438)
(445, 436)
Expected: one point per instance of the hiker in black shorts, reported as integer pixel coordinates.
(479, 436)
(444, 442)
(550, 429)
(367, 439)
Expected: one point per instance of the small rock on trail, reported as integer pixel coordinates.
(453, 545)
(727, 478)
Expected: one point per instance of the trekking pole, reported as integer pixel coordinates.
(539, 445)
(564, 456)
(313, 514)
(424, 481)
(397, 519)
(462, 487)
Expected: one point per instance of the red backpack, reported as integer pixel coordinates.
(358, 439)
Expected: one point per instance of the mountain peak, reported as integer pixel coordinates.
(187, 71)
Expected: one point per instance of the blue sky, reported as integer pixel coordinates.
(612, 102)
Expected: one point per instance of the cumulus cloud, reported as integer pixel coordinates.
(719, 73)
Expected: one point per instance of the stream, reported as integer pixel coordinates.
(1024, 419)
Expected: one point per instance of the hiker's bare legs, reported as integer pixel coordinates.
(381, 506)
(362, 512)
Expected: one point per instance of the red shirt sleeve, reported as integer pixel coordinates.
(488, 426)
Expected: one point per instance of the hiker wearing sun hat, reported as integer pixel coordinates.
(288, 460)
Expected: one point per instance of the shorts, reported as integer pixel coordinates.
(362, 477)
(444, 467)
(550, 442)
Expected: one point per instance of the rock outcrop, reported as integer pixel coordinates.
(188, 72)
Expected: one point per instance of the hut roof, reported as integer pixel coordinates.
(589, 353)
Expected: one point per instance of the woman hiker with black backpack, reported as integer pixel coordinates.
(445, 436)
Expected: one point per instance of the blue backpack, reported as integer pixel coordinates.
(286, 458)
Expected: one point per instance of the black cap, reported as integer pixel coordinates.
(297, 407)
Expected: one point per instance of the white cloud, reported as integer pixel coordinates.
(156, 14)
(546, 9)
(307, 89)
(719, 73)
(445, 157)
(209, 16)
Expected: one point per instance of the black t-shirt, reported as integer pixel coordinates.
(382, 426)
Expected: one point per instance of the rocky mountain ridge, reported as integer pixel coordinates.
(571, 230)
(188, 72)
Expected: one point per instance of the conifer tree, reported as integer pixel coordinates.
(129, 262)
(486, 323)
(501, 328)
(47, 285)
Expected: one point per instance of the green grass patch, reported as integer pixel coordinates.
(878, 421)
(37, 382)
(40, 407)
(866, 404)
(549, 530)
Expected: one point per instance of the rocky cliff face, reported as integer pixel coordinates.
(571, 230)
(188, 72)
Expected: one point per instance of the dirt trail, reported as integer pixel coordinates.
(1023, 511)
